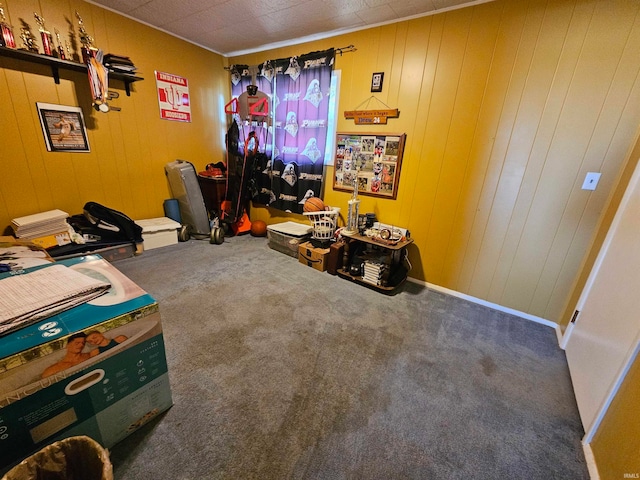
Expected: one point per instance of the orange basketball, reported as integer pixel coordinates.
(313, 204)
(258, 228)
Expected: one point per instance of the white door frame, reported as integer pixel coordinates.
(591, 429)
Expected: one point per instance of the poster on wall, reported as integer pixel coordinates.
(371, 161)
(63, 128)
(173, 97)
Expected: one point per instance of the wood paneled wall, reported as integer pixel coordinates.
(506, 106)
(125, 168)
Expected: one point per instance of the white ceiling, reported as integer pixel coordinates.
(234, 27)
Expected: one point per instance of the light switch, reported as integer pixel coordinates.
(591, 181)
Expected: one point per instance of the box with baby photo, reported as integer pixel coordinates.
(98, 369)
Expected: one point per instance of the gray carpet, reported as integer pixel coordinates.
(279, 371)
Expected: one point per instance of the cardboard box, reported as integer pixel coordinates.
(45, 397)
(285, 237)
(313, 257)
(159, 232)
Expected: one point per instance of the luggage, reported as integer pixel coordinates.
(110, 223)
(105, 230)
(183, 182)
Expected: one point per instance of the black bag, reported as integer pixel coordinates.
(260, 183)
(112, 223)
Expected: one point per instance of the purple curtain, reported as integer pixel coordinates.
(299, 89)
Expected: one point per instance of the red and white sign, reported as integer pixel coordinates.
(173, 97)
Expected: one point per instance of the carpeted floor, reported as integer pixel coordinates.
(279, 371)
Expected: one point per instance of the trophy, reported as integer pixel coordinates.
(45, 35)
(6, 32)
(88, 50)
(60, 48)
(354, 208)
(28, 42)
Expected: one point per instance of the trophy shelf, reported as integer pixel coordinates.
(56, 64)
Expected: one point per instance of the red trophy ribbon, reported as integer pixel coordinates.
(98, 73)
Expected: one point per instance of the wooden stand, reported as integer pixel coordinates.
(395, 253)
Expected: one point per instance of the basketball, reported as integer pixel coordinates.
(258, 228)
(313, 204)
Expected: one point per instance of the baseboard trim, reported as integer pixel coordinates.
(591, 462)
(495, 306)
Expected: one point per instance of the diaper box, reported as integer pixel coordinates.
(98, 369)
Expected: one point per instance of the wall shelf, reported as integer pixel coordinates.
(56, 64)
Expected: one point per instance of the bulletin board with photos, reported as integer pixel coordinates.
(373, 160)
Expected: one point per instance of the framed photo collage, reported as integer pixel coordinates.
(370, 161)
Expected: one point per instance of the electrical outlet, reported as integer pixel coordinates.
(591, 181)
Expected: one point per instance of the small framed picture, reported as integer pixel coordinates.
(376, 81)
(63, 128)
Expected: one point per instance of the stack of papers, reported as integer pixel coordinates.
(18, 256)
(33, 296)
(42, 224)
(119, 63)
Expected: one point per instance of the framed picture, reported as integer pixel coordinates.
(63, 128)
(370, 161)
(376, 81)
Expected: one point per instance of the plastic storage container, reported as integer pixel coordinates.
(285, 237)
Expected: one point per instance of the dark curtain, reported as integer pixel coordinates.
(299, 89)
